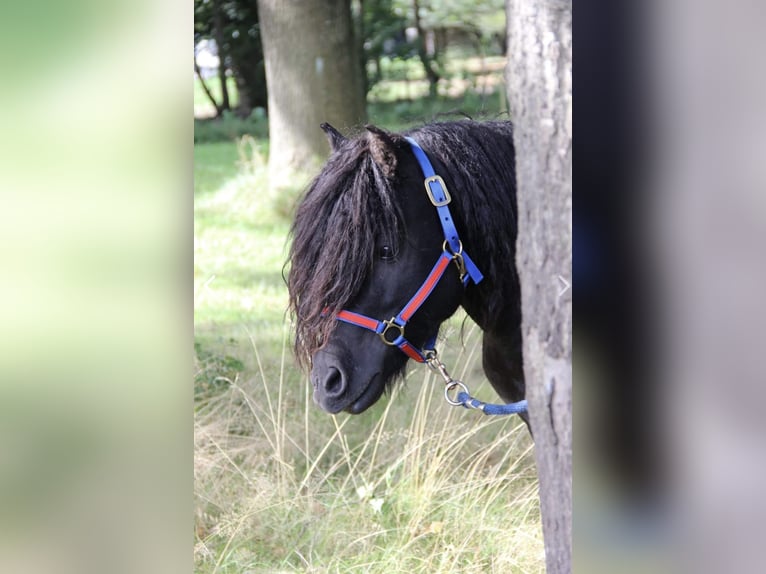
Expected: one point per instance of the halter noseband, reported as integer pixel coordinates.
(391, 331)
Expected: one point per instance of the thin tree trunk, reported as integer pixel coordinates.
(431, 74)
(539, 79)
(218, 32)
(205, 89)
(359, 34)
(244, 101)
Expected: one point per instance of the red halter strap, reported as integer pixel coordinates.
(386, 329)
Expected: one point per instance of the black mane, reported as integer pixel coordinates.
(351, 205)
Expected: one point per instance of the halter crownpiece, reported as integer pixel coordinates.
(440, 198)
(391, 331)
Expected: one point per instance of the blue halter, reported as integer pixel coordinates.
(391, 331)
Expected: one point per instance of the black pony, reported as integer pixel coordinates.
(367, 234)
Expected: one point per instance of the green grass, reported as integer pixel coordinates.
(229, 127)
(412, 485)
(239, 250)
(214, 165)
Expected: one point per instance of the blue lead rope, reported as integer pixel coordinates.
(463, 397)
(489, 409)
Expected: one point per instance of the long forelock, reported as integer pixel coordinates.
(348, 207)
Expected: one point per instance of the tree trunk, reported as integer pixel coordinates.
(244, 102)
(431, 74)
(219, 41)
(313, 76)
(359, 33)
(245, 56)
(539, 77)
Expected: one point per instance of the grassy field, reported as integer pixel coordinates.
(412, 485)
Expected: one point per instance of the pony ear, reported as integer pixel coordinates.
(333, 136)
(383, 149)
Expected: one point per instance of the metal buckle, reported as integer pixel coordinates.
(437, 179)
(390, 324)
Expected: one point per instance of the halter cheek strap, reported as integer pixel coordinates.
(440, 198)
(391, 331)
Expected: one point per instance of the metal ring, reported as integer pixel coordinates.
(447, 248)
(450, 387)
(390, 324)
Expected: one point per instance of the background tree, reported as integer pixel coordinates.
(539, 82)
(219, 35)
(244, 52)
(208, 25)
(380, 29)
(235, 27)
(430, 61)
(313, 75)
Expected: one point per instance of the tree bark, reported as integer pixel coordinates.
(218, 32)
(313, 76)
(539, 82)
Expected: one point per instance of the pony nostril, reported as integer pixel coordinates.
(334, 383)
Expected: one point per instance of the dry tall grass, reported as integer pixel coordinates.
(412, 485)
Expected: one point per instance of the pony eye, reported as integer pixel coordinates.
(386, 253)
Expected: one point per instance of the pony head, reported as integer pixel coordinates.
(364, 238)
